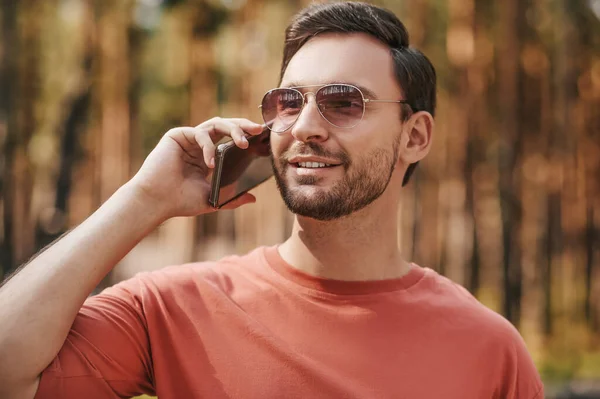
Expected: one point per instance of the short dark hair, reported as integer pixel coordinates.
(414, 72)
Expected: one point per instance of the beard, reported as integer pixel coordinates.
(365, 179)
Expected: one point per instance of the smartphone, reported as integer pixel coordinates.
(238, 170)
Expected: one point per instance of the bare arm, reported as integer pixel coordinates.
(40, 303)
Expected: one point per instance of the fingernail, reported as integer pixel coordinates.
(212, 162)
(244, 140)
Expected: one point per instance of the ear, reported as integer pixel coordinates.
(417, 137)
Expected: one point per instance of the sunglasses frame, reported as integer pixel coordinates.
(321, 87)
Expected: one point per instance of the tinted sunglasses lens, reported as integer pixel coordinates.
(281, 108)
(341, 105)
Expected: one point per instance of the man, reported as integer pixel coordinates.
(333, 312)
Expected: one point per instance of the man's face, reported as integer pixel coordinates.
(363, 157)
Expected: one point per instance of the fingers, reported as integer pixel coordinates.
(248, 126)
(206, 134)
(221, 125)
(207, 146)
(216, 128)
(238, 136)
(244, 199)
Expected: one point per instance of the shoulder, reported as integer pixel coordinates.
(455, 306)
(219, 274)
(190, 279)
(452, 302)
(495, 342)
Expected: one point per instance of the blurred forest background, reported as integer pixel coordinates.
(507, 203)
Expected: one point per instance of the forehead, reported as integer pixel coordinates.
(350, 58)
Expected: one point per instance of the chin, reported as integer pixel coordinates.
(306, 190)
(315, 203)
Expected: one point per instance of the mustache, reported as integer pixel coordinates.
(314, 149)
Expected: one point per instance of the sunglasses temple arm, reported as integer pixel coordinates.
(367, 100)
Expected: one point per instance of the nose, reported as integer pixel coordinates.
(310, 125)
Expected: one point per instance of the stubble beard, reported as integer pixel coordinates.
(365, 180)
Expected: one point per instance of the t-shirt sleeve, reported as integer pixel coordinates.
(520, 378)
(107, 351)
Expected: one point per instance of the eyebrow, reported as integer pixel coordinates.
(367, 92)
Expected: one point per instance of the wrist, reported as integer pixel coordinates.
(148, 208)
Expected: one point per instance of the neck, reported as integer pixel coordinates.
(359, 247)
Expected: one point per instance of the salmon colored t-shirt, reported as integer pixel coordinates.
(254, 327)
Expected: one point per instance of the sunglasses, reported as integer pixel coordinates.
(342, 105)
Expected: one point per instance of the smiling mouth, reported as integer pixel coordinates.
(312, 165)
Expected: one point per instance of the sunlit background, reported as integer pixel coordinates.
(507, 203)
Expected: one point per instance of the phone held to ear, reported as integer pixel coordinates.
(238, 170)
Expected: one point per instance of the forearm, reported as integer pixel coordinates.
(39, 304)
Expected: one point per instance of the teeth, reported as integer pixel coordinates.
(313, 165)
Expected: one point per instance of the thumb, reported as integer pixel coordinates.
(244, 199)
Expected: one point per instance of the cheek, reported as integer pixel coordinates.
(279, 144)
(381, 129)
(365, 137)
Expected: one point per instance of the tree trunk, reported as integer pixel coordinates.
(8, 130)
(511, 14)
